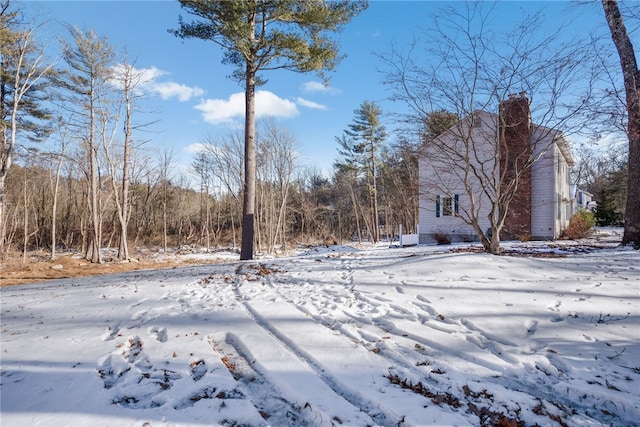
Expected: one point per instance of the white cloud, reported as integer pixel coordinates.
(225, 110)
(196, 147)
(146, 80)
(268, 104)
(310, 104)
(149, 75)
(315, 87)
(168, 90)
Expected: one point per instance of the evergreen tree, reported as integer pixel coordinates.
(23, 70)
(360, 147)
(260, 35)
(610, 197)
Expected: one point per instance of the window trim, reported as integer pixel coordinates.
(447, 205)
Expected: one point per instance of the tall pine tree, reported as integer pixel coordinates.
(260, 35)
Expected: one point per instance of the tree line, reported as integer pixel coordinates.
(48, 199)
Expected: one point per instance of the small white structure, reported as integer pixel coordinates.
(407, 239)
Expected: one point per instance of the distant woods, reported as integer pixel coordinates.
(203, 207)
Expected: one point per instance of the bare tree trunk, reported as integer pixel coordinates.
(249, 194)
(93, 250)
(373, 194)
(164, 225)
(25, 232)
(3, 222)
(355, 213)
(123, 208)
(631, 76)
(54, 205)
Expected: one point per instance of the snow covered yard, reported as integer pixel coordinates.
(418, 336)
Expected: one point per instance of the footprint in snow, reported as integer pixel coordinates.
(531, 326)
(160, 334)
(554, 306)
(198, 369)
(133, 380)
(111, 332)
(556, 319)
(425, 307)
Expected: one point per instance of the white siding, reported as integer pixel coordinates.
(439, 177)
(563, 188)
(543, 196)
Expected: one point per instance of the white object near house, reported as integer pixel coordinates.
(407, 239)
(537, 157)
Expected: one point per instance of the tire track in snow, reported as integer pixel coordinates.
(409, 363)
(263, 395)
(379, 414)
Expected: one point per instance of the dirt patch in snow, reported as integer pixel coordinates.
(39, 267)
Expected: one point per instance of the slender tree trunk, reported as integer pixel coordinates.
(374, 196)
(355, 212)
(164, 226)
(123, 211)
(233, 211)
(631, 76)
(93, 249)
(25, 240)
(54, 206)
(249, 194)
(3, 223)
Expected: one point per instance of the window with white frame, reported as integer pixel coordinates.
(448, 205)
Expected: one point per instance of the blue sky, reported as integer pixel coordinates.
(193, 97)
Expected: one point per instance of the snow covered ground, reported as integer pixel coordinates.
(429, 335)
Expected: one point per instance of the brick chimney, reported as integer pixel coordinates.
(515, 151)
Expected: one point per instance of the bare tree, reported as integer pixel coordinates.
(468, 69)
(90, 61)
(23, 68)
(200, 167)
(60, 157)
(226, 154)
(313, 207)
(166, 161)
(399, 183)
(631, 76)
(128, 80)
(277, 151)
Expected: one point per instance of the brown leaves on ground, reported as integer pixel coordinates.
(486, 416)
(39, 267)
(256, 271)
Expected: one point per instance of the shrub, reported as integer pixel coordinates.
(524, 237)
(580, 225)
(442, 238)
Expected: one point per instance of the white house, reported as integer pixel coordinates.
(477, 159)
(583, 200)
